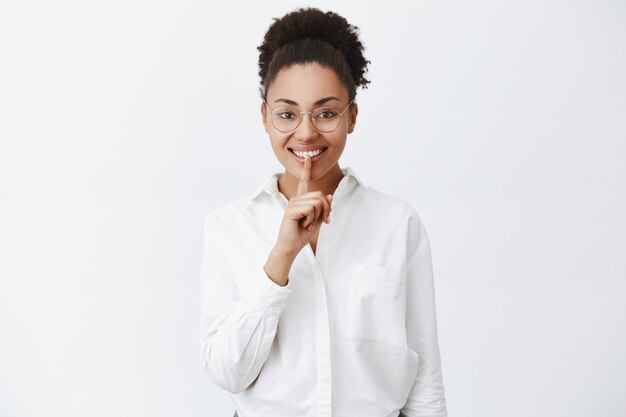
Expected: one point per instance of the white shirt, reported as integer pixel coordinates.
(352, 334)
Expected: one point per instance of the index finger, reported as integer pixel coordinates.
(305, 174)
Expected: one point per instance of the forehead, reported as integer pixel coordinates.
(305, 84)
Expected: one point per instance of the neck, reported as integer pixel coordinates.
(288, 184)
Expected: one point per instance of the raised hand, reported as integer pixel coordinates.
(304, 214)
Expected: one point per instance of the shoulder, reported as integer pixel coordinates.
(249, 206)
(399, 215)
(390, 204)
(231, 211)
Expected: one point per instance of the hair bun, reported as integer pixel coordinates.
(312, 23)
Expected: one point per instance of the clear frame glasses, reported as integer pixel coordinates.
(286, 119)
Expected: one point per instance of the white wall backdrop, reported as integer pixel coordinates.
(123, 123)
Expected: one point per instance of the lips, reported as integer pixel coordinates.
(313, 159)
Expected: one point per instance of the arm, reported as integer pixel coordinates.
(427, 396)
(236, 333)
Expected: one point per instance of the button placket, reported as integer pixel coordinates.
(322, 326)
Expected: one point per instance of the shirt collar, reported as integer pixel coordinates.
(347, 183)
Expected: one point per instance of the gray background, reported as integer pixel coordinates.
(122, 123)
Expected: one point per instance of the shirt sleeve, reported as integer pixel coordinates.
(236, 333)
(427, 395)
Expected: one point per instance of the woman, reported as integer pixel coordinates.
(317, 291)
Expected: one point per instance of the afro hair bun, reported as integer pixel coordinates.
(314, 24)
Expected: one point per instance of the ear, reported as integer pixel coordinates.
(264, 118)
(353, 114)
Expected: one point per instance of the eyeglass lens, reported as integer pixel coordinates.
(325, 119)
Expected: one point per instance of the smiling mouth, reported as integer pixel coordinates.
(312, 154)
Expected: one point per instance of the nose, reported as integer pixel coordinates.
(306, 129)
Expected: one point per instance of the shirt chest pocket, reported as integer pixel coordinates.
(376, 305)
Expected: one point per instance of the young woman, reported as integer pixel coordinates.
(317, 290)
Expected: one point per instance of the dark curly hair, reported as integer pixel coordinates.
(310, 35)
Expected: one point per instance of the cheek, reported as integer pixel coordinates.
(339, 140)
(278, 142)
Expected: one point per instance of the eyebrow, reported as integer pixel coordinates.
(317, 103)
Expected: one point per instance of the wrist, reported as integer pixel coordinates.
(283, 253)
(278, 266)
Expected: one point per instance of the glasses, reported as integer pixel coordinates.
(325, 119)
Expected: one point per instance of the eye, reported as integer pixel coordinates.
(326, 113)
(285, 114)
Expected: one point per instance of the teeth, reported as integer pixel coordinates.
(310, 153)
